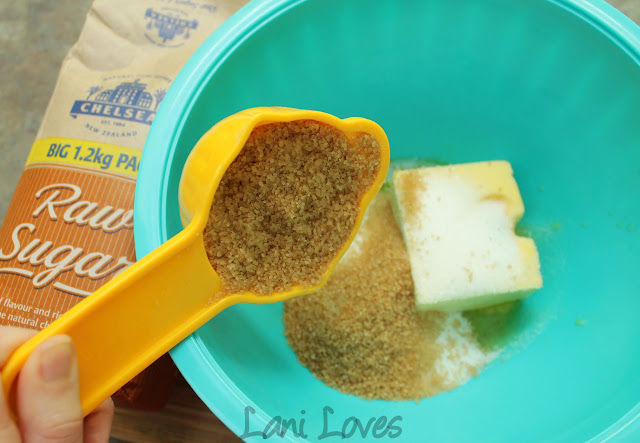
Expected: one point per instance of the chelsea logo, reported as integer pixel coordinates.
(168, 27)
(127, 101)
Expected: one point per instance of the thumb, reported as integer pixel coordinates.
(48, 399)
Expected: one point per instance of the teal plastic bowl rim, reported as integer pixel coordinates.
(220, 394)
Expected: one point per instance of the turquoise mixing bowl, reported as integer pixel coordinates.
(553, 86)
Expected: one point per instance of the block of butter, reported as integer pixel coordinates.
(458, 224)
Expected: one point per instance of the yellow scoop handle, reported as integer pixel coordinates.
(128, 323)
(131, 321)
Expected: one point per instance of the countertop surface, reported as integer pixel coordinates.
(35, 35)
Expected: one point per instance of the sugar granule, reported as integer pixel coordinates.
(362, 334)
(287, 204)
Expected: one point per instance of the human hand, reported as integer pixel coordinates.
(48, 399)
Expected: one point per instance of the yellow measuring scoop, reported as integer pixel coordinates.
(131, 321)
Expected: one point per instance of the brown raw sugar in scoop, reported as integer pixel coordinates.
(287, 204)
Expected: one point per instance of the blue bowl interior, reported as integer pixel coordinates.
(551, 88)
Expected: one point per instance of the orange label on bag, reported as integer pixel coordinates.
(68, 231)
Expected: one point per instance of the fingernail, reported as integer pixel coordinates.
(56, 358)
